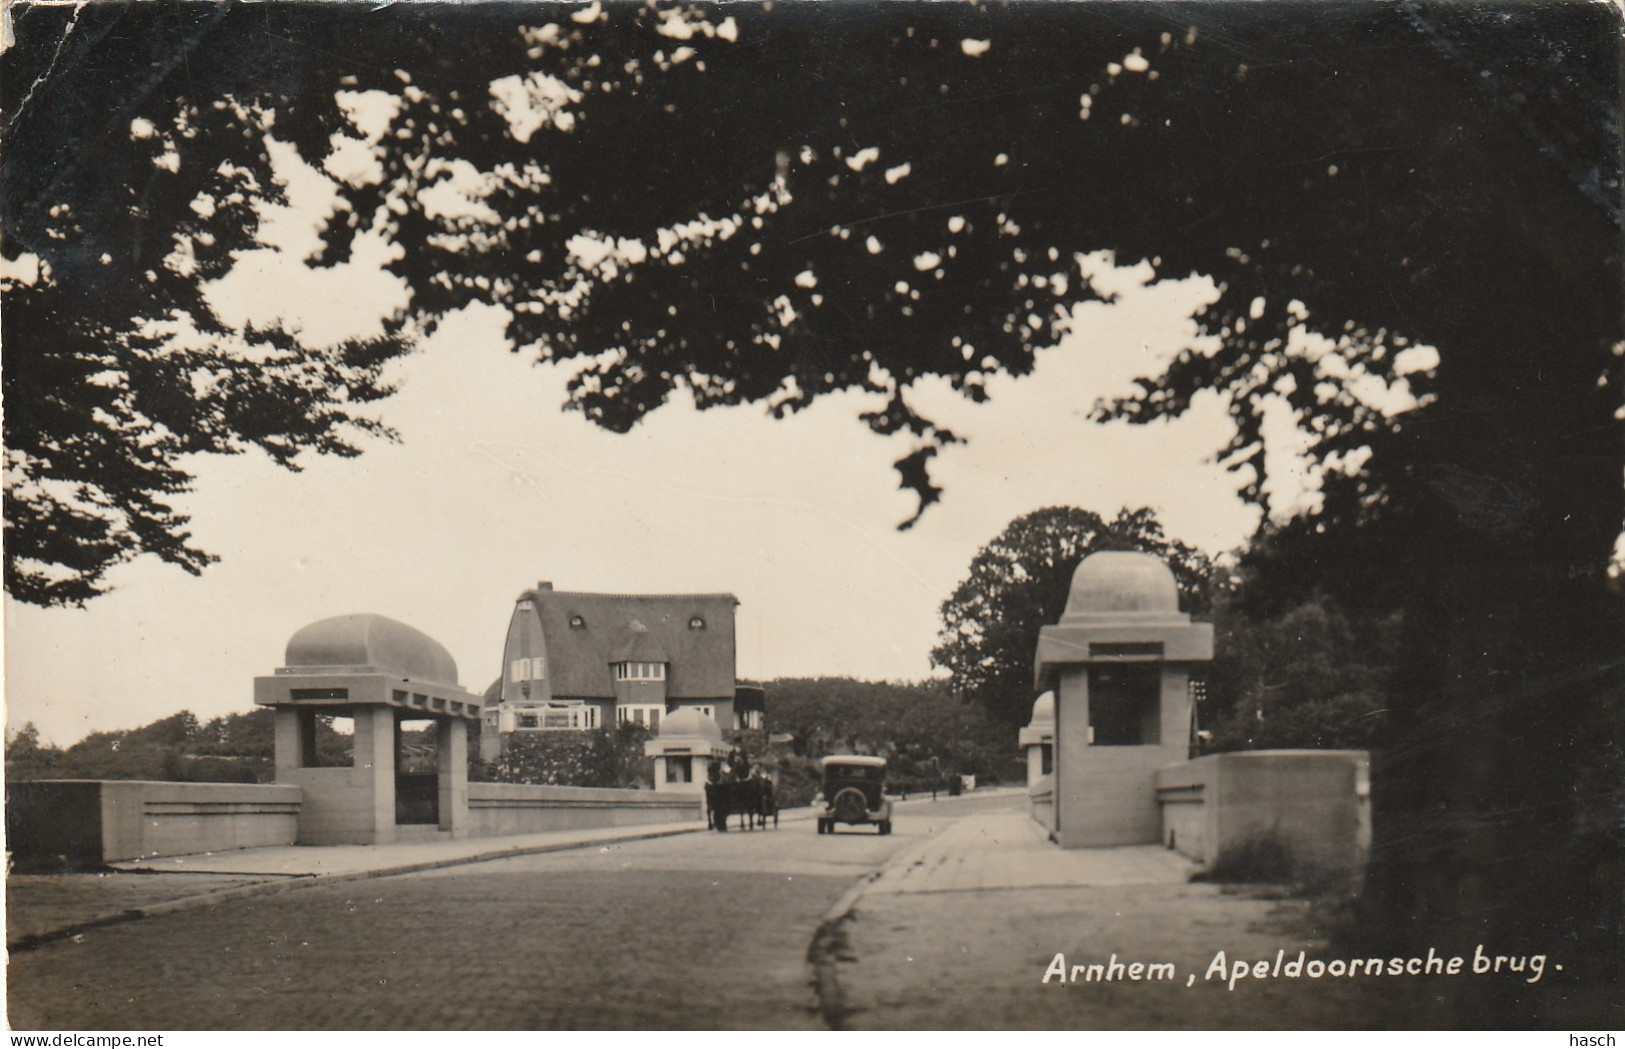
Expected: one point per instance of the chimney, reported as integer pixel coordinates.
(544, 585)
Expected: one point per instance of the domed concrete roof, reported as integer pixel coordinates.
(1044, 709)
(1122, 583)
(369, 640)
(690, 722)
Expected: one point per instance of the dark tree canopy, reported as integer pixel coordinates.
(1313, 676)
(1384, 176)
(122, 198)
(1399, 203)
(922, 729)
(1018, 583)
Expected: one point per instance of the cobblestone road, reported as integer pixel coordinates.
(711, 931)
(700, 930)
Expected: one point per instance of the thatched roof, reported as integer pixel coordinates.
(700, 657)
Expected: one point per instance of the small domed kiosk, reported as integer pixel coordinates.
(1119, 664)
(391, 782)
(689, 741)
(1037, 738)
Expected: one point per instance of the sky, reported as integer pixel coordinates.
(491, 487)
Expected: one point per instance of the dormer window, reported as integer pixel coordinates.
(577, 623)
(696, 623)
(527, 605)
(640, 671)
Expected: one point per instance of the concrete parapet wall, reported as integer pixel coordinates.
(1314, 803)
(88, 823)
(341, 807)
(1106, 795)
(1042, 796)
(520, 808)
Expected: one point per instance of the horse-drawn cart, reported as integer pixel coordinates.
(751, 799)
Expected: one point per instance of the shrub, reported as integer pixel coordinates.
(598, 758)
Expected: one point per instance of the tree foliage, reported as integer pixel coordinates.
(1018, 584)
(920, 728)
(1312, 677)
(233, 748)
(125, 195)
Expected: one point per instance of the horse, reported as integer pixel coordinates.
(752, 799)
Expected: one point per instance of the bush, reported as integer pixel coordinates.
(1267, 859)
(598, 758)
(1261, 858)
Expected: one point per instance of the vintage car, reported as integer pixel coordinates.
(854, 792)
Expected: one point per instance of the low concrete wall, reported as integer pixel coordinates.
(1107, 795)
(87, 823)
(1315, 803)
(520, 808)
(1042, 796)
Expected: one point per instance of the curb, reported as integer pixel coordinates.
(829, 947)
(286, 883)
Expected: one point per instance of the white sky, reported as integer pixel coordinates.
(492, 487)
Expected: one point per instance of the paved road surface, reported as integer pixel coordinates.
(703, 930)
(695, 931)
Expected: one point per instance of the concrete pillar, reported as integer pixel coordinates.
(1176, 710)
(1035, 764)
(660, 774)
(451, 763)
(375, 763)
(289, 746)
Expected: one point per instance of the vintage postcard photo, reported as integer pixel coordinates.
(813, 515)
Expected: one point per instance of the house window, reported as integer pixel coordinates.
(680, 770)
(647, 715)
(640, 671)
(532, 669)
(560, 717)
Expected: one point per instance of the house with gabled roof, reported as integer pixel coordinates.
(576, 661)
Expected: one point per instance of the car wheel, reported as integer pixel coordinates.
(850, 806)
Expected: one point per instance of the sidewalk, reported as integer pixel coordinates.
(1007, 850)
(960, 931)
(40, 908)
